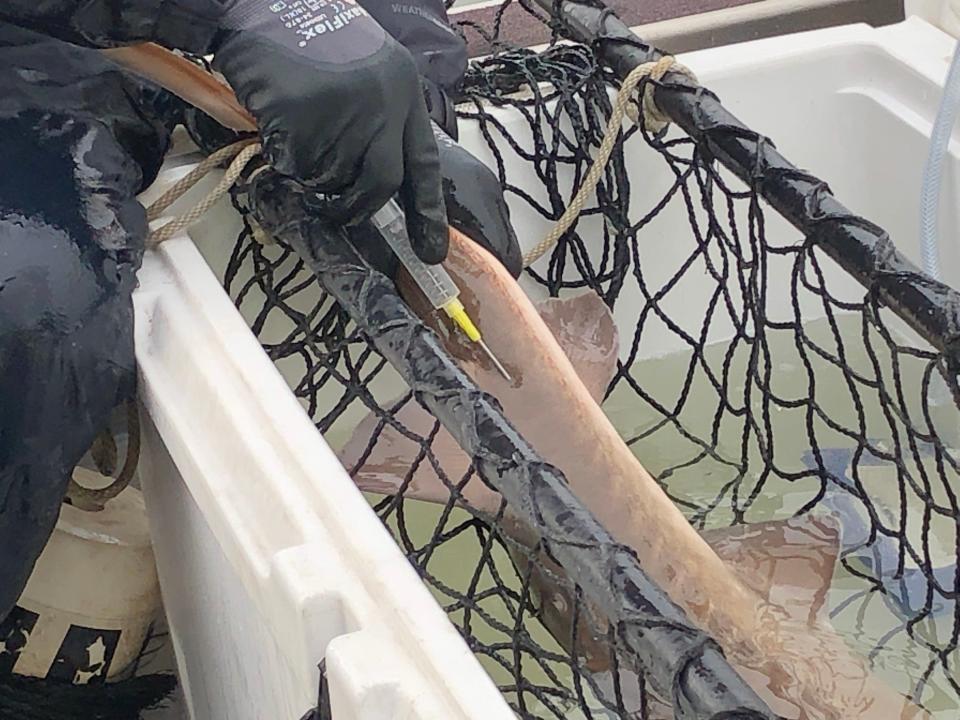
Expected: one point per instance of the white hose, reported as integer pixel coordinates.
(933, 173)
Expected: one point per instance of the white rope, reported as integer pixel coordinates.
(625, 104)
(242, 153)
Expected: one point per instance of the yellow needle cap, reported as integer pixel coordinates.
(458, 314)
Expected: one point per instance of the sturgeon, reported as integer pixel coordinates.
(774, 635)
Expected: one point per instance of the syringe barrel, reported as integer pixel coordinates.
(433, 280)
(388, 216)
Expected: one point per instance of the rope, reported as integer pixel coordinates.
(242, 153)
(94, 499)
(625, 104)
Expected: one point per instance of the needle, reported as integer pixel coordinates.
(496, 363)
(455, 310)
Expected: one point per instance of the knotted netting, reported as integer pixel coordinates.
(762, 375)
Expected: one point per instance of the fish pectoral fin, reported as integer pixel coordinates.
(381, 460)
(788, 563)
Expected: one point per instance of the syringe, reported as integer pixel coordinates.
(433, 280)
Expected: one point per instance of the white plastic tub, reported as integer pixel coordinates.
(270, 559)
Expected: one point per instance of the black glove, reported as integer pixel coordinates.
(475, 203)
(340, 108)
(423, 28)
(440, 52)
(441, 109)
(475, 207)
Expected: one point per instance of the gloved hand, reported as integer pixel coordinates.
(340, 108)
(475, 203)
(440, 52)
(472, 194)
(475, 206)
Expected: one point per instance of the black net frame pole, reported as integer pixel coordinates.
(682, 662)
(862, 248)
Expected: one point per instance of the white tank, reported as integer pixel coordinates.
(92, 598)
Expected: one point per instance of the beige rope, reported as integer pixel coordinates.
(625, 104)
(94, 499)
(242, 153)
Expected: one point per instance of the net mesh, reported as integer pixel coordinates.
(756, 381)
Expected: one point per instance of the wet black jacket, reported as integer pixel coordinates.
(194, 25)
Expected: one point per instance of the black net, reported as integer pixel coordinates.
(756, 380)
